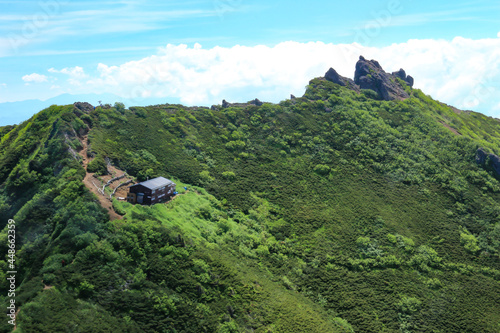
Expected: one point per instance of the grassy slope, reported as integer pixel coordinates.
(392, 170)
(197, 215)
(139, 274)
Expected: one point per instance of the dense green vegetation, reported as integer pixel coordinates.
(334, 212)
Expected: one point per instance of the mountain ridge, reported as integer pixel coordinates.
(17, 112)
(336, 211)
(370, 75)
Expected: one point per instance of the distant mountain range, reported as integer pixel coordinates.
(16, 112)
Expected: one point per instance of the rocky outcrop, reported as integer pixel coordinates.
(334, 77)
(495, 163)
(370, 75)
(402, 75)
(481, 156)
(488, 160)
(226, 104)
(84, 107)
(256, 102)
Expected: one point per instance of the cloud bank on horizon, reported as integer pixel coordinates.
(462, 72)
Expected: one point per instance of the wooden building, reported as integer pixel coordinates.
(151, 191)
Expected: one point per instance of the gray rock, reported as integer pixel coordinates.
(481, 156)
(495, 163)
(489, 160)
(332, 76)
(225, 104)
(256, 102)
(402, 75)
(410, 80)
(370, 75)
(84, 106)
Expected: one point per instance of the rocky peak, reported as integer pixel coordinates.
(84, 107)
(402, 75)
(334, 77)
(370, 75)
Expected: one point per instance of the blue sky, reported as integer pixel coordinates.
(198, 52)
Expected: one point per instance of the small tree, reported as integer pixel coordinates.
(322, 169)
(120, 107)
(98, 166)
(229, 175)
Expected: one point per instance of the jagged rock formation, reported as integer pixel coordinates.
(402, 75)
(488, 160)
(334, 77)
(370, 75)
(84, 106)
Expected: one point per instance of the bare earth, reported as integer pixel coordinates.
(94, 183)
(450, 128)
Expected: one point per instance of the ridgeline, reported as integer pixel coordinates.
(363, 206)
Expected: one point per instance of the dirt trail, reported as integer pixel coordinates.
(450, 128)
(94, 184)
(16, 314)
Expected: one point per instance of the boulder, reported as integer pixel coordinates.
(488, 160)
(495, 163)
(481, 156)
(332, 76)
(410, 81)
(402, 75)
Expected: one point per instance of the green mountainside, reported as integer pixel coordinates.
(333, 212)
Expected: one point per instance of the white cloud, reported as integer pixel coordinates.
(35, 78)
(498, 34)
(461, 72)
(75, 74)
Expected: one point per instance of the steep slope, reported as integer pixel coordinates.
(338, 204)
(369, 194)
(77, 271)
